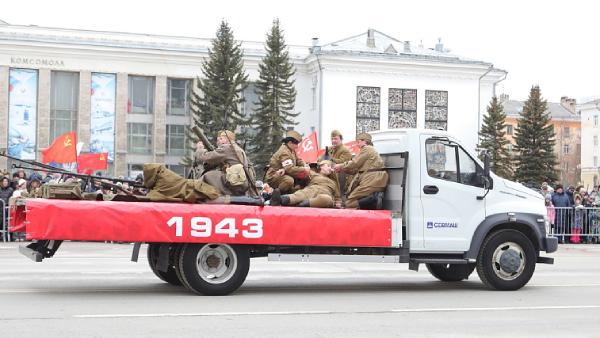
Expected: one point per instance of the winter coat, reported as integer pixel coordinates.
(561, 200)
(5, 194)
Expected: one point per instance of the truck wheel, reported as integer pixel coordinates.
(213, 269)
(451, 272)
(506, 260)
(171, 275)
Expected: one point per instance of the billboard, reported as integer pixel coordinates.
(102, 120)
(22, 113)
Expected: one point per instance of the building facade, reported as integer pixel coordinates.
(590, 149)
(567, 125)
(127, 94)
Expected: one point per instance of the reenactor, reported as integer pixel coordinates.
(322, 190)
(228, 161)
(338, 152)
(285, 168)
(368, 170)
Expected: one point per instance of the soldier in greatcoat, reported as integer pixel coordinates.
(285, 168)
(368, 170)
(322, 190)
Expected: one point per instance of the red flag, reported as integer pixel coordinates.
(308, 149)
(62, 150)
(94, 161)
(353, 147)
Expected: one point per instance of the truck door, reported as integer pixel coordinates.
(451, 180)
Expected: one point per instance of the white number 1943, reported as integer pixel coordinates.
(203, 227)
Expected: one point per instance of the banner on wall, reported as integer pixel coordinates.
(102, 121)
(22, 113)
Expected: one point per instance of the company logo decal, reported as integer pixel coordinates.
(438, 225)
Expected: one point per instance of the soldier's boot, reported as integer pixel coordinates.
(304, 203)
(276, 197)
(285, 200)
(371, 202)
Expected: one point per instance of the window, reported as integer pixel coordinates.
(509, 147)
(448, 161)
(176, 139)
(595, 121)
(509, 129)
(436, 109)
(64, 98)
(566, 149)
(595, 140)
(139, 138)
(141, 95)
(566, 132)
(402, 108)
(178, 169)
(595, 162)
(177, 96)
(367, 109)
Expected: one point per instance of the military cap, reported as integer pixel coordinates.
(364, 137)
(227, 133)
(292, 134)
(335, 133)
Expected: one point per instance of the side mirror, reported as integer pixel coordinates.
(486, 165)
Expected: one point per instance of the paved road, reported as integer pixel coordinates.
(92, 290)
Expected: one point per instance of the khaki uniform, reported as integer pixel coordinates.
(167, 186)
(322, 192)
(223, 158)
(367, 178)
(285, 158)
(339, 154)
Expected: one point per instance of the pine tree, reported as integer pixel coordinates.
(493, 141)
(216, 98)
(534, 136)
(276, 98)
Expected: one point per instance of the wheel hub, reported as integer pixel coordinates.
(216, 263)
(510, 261)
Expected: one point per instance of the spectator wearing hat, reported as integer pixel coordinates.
(368, 170)
(285, 168)
(561, 200)
(21, 190)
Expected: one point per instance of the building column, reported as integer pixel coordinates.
(4, 72)
(121, 125)
(160, 118)
(43, 132)
(84, 116)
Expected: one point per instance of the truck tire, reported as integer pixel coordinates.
(171, 275)
(213, 269)
(451, 272)
(506, 260)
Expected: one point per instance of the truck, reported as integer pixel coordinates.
(443, 207)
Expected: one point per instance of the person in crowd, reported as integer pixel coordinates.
(577, 220)
(571, 194)
(546, 189)
(560, 199)
(21, 190)
(15, 180)
(33, 184)
(6, 192)
(550, 210)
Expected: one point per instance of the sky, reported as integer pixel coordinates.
(553, 44)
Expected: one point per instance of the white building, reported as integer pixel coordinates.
(365, 82)
(590, 149)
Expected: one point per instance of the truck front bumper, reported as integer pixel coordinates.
(550, 244)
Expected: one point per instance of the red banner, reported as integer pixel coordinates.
(93, 161)
(205, 223)
(352, 146)
(308, 149)
(62, 150)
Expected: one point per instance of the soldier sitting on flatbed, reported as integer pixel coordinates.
(228, 175)
(322, 191)
(285, 168)
(368, 170)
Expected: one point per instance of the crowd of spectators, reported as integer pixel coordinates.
(574, 212)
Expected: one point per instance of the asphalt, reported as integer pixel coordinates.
(93, 290)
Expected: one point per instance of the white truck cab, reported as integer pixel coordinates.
(453, 207)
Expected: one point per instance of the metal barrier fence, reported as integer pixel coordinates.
(575, 224)
(5, 217)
